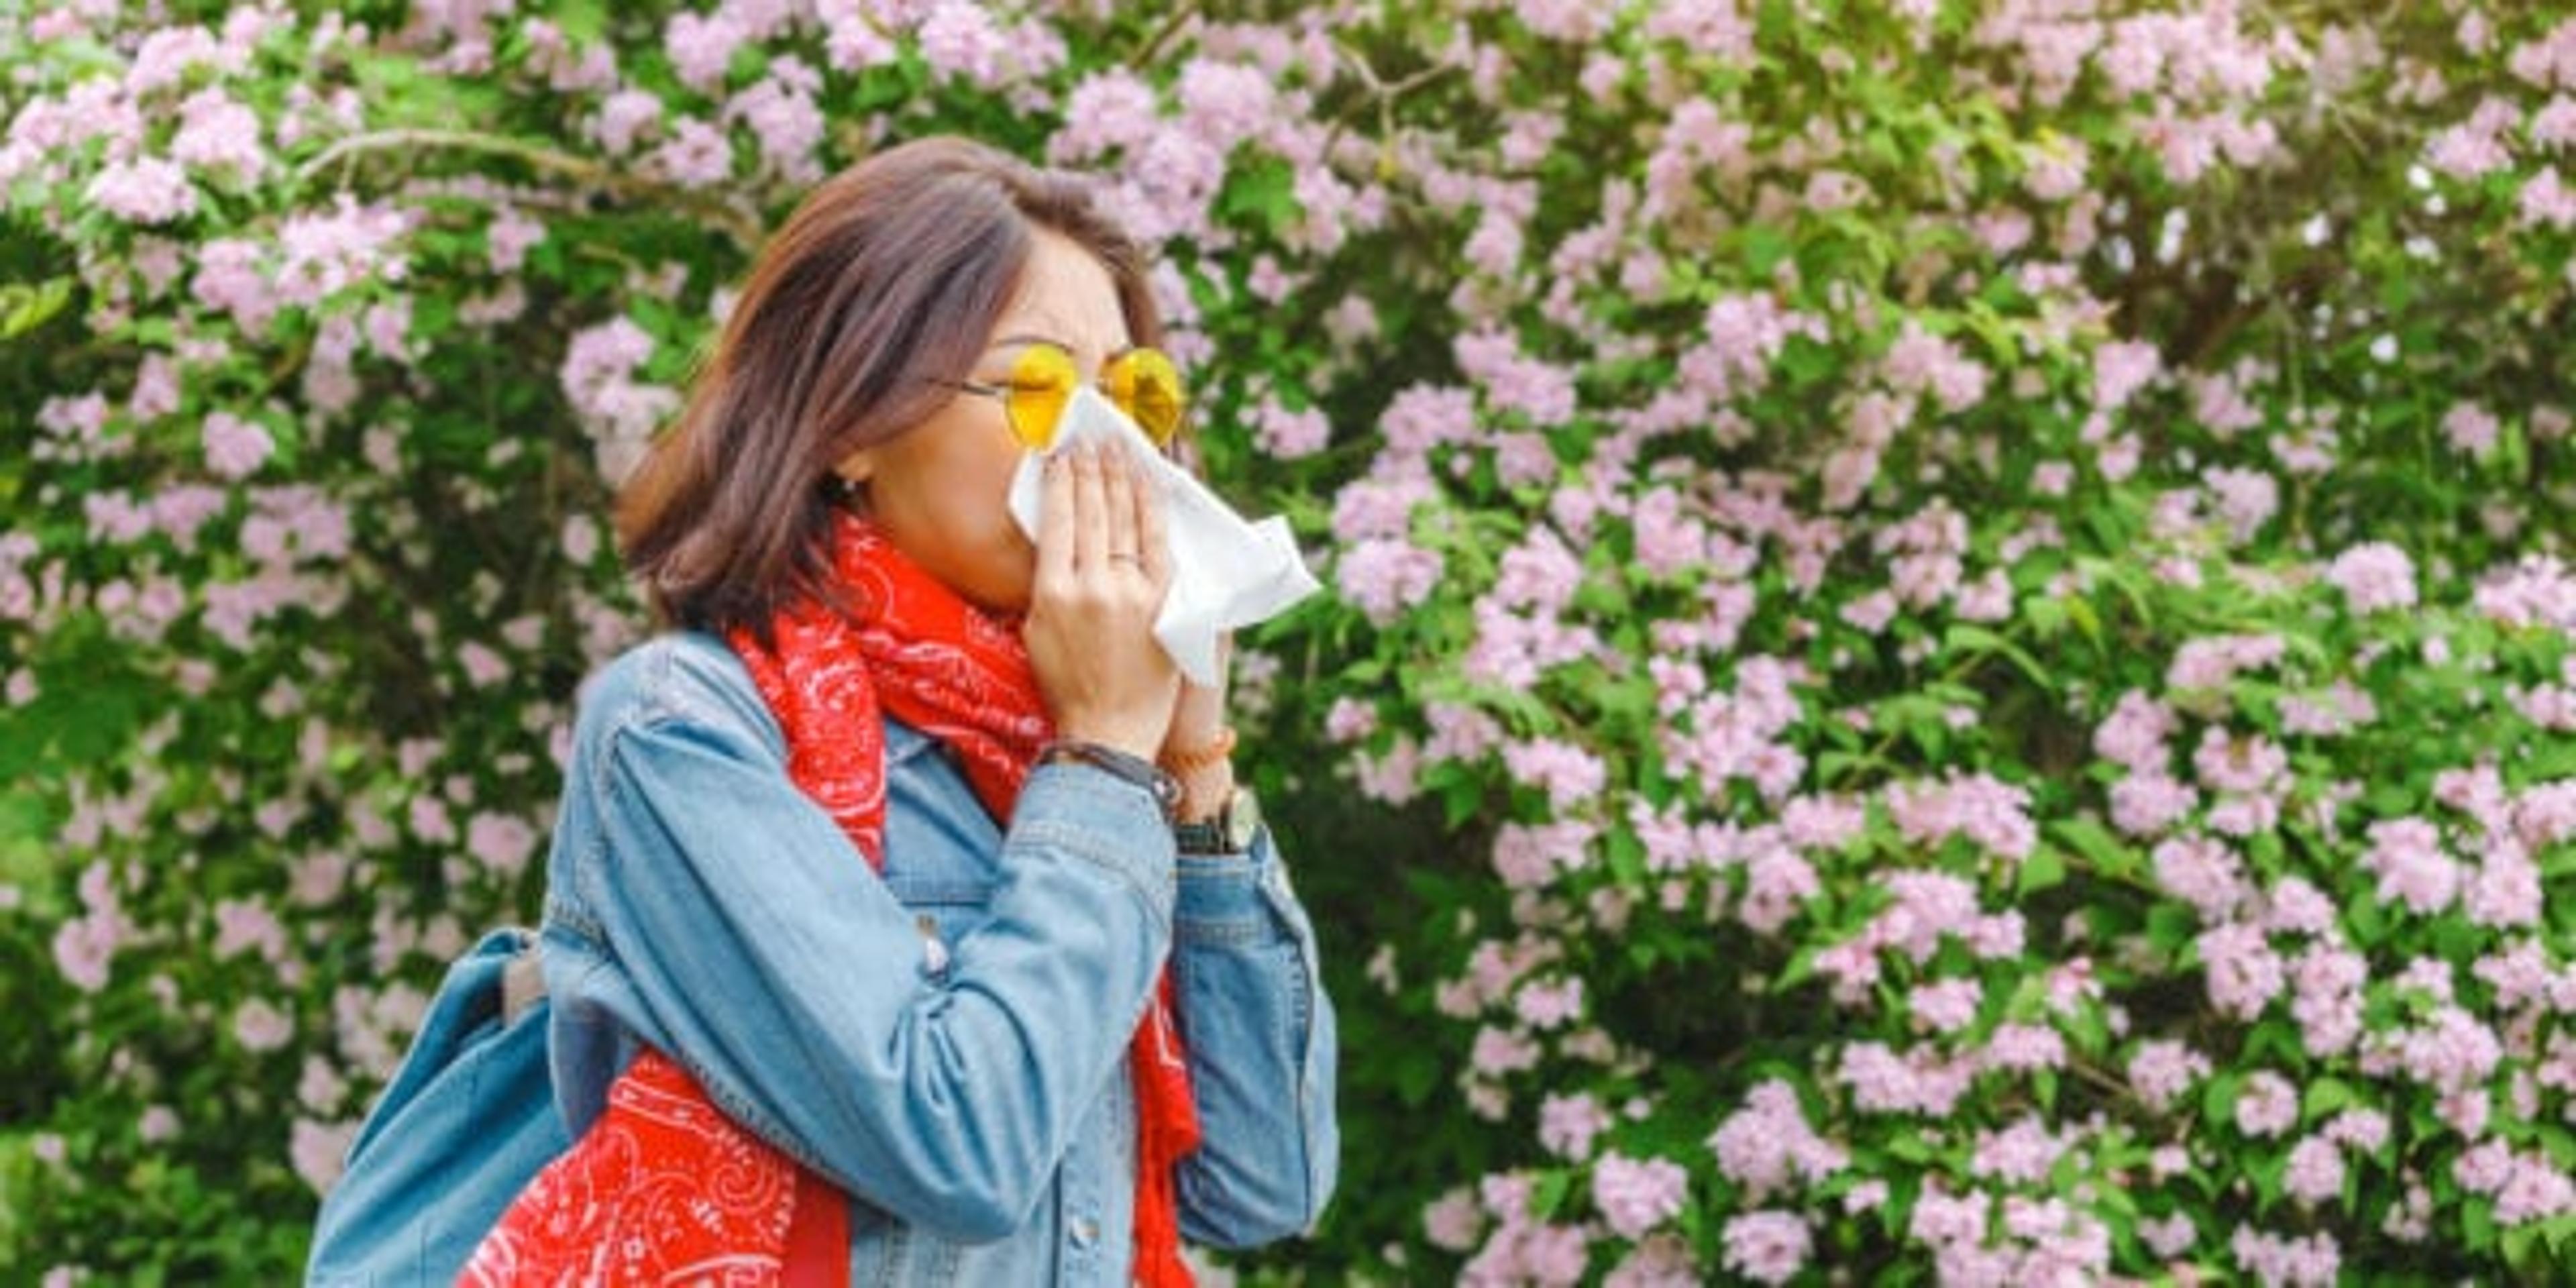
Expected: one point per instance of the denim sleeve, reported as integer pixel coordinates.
(1262, 1051)
(790, 981)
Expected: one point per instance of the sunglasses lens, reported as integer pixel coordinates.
(1042, 381)
(1145, 384)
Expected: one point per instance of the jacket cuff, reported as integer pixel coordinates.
(1095, 815)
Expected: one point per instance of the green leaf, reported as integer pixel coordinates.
(1549, 1193)
(2044, 869)
(2170, 926)
(2324, 1096)
(28, 307)
(2105, 852)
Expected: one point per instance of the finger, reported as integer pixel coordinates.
(1153, 537)
(1055, 521)
(1118, 500)
(1090, 533)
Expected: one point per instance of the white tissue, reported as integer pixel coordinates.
(1227, 573)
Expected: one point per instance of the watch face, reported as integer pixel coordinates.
(1242, 819)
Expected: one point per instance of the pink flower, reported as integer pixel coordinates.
(1568, 774)
(622, 118)
(2244, 974)
(217, 133)
(1539, 574)
(2281, 1262)
(2540, 590)
(697, 155)
(1289, 435)
(2266, 1104)
(2168, 1237)
(2120, 369)
(2137, 733)
(2024, 1047)
(2242, 765)
(261, 1027)
(2470, 429)
(159, 1123)
(502, 841)
(1379, 505)
(2023, 1152)
(2213, 662)
(1453, 1222)
(2546, 199)
(1543, 1005)
(1634, 1196)
(2406, 854)
(2534, 1191)
(2204, 873)
(1919, 363)
(1770, 1247)
(1111, 109)
(1881, 1081)
(1383, 578)
(2163, 1069)
(319, 1151)
(1568, 1124)
(2315, 1172)
(1777, 883)
(1946, 1006)
(1744, 335)
(2245, 499)
(146, 190)
(234, 447)
(962, 40)
(1714, 29)
(1226, 102)
(701, 46)
(1768, 1143)
(781, 112)
(2149, 804)
(1497, 1052)
(1526, 857)
(1988, 812)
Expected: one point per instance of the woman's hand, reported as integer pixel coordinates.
(1104, 564)
(1198, 726)
(1199, 720)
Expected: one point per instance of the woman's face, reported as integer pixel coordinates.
(938, 491)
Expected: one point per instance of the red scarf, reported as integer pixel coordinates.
(664, 1186)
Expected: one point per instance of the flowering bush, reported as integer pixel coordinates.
(1954, 654)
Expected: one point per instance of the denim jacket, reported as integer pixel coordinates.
(948, 1041)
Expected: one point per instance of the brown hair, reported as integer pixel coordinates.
(893, 270)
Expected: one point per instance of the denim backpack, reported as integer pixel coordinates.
(468, 1120)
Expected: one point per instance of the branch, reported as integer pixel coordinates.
(585, 171)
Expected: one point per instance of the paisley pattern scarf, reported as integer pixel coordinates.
(665, 1188)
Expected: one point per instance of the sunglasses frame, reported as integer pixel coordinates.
(1118, 371)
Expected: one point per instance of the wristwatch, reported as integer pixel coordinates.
(1165, 789)
(1229, 832)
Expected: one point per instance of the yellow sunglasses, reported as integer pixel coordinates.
(1142, 383)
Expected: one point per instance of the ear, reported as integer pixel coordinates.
(857, 468)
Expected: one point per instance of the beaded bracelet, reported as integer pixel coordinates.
(1185, 763)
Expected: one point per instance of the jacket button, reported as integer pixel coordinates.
(1085, 1232)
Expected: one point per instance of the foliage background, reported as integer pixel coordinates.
(1951, 651)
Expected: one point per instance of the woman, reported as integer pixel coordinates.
(905, 922)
